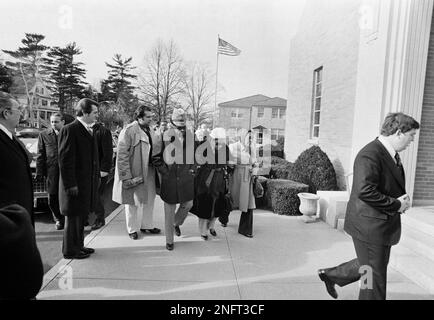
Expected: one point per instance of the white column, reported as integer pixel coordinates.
(391, 71)
(405, 76)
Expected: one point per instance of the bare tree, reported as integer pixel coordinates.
(161, 81)
(199, 92)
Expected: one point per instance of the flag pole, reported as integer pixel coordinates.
(216, 83)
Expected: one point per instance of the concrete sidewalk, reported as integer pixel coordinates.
(280, 262)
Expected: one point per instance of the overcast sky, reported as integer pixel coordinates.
(260, 29)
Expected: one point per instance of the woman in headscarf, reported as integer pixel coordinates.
(212, 156)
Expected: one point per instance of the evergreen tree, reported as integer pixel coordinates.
(118, 87)
(67, 84)
(27, 67)
(5, 78)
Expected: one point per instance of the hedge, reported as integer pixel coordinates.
(282, 196)
(280, 168)
(314, 168)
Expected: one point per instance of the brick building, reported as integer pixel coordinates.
(253, 112)
(351, 63)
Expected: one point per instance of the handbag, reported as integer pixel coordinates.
(258, 189)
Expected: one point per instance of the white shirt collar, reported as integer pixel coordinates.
(388, 146)
(86, 126)
(8, 133)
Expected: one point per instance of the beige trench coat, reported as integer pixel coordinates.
(132, 160)
(240, 182)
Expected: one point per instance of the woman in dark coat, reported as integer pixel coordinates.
(211, 181)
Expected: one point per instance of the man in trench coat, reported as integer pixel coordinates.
(79, 177)
(135, 178)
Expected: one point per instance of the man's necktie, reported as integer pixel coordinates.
(399, 164)
(398, 160)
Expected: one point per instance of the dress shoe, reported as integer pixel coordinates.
(204, 237)
(213, 233)
(88, 250)
(248, 235)
(98, 224)
(154, 230)
(133, 235)
(59, 225)
(80, 255)
(330, 286)
(177, 231)
(169, 246)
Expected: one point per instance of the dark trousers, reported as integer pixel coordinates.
(246, 222)
(73, 235)
(53, 203)
(369, 255)
(99, 207)
(224, 217)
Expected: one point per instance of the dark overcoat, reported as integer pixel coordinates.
(104, 142)
(217, 188)
(15, 175)
(177, 178)
(372, 212)
(47, 164)
(78, 164)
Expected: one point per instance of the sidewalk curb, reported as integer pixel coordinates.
(51, 274)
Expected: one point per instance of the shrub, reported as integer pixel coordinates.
(280, 169)
(282, 196)
(313, 167)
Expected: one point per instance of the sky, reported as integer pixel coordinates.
(261, 29)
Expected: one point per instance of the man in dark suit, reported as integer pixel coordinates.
(373, 217)
(79, 176)
(15, 177)
(47, 165)
(105, 153)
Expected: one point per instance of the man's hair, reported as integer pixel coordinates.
(140, 111)
(68, 118)
(85, 106)
(398, 121)
(6, 102)
(58, 114)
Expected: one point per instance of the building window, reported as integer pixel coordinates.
(260, 112)
(282, 113)
(259, 136)
(235, 113)
(44, 102)
(316, 103)
(276, 134)
(37, 90)
(42, 90)
(274, 113)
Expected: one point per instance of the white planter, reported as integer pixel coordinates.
(308, 206)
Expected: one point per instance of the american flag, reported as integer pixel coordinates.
(227, 49)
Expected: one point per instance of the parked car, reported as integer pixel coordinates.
(29, 137)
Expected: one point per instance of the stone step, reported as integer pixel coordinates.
(417, 268)
(419, 219)
(418, 241)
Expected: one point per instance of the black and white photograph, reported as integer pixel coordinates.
(216, 156)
